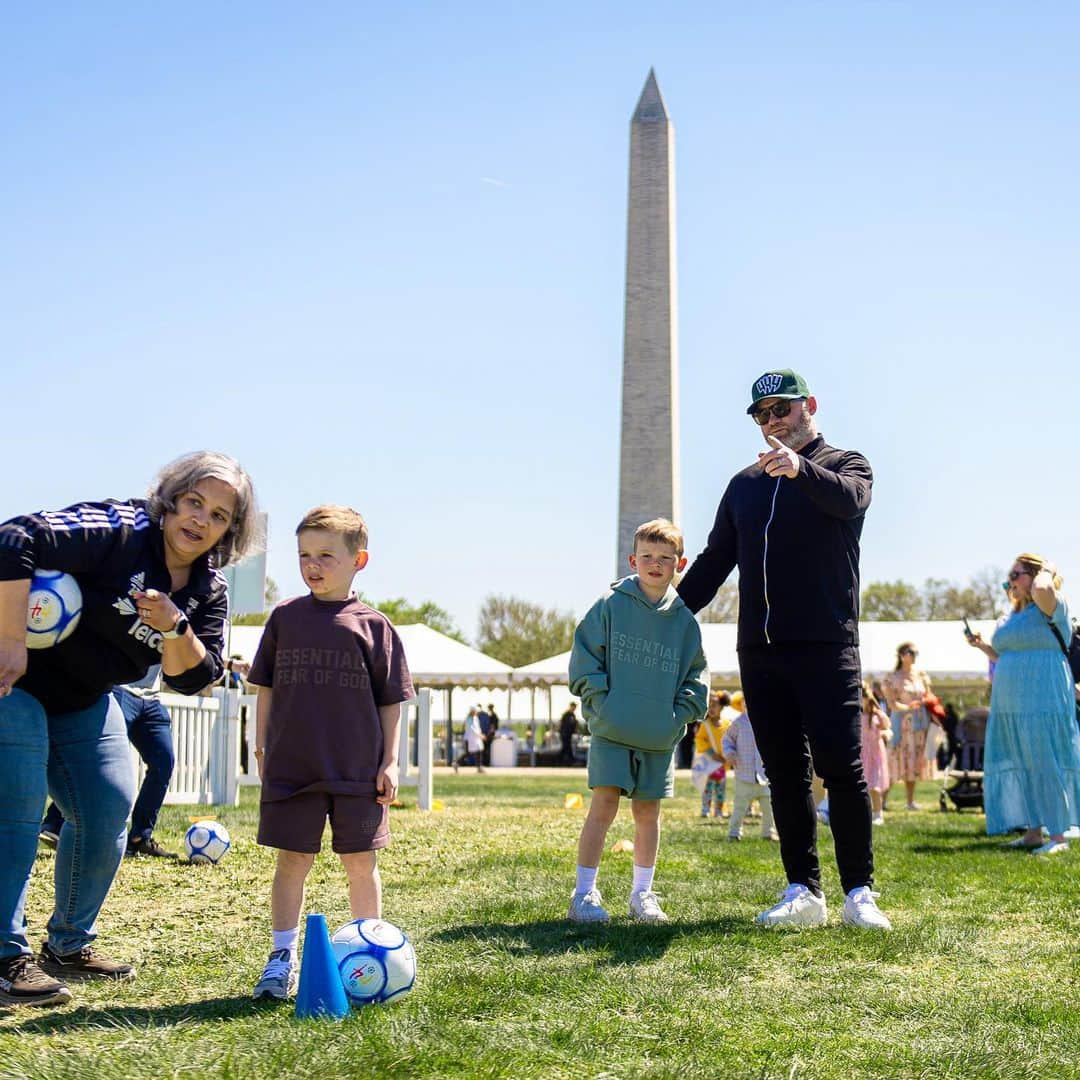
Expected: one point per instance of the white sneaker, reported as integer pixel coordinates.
(1051, 847)
(587, 907)
(860, 910)
(278, 978)
(645, 907)
(798, 907)
(878, 819)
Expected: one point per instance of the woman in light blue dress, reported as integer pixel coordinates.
(1032, 760)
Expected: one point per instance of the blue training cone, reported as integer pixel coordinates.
(321, 991)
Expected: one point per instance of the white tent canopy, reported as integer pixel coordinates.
(943, 651)
(549, 672)
(435, 660)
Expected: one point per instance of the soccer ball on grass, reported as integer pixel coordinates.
(207, 842)
(376, 960)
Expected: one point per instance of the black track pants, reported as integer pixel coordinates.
(804, 702)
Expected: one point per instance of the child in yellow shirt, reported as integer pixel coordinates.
(710, 734)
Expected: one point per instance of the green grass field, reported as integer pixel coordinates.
(980, 977)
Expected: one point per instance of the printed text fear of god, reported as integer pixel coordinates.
(643, 652)
(320, 667)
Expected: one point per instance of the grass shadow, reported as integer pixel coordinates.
(550, 937)
(137, 1017)
(953, 847)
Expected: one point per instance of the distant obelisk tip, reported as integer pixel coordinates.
(650, 106)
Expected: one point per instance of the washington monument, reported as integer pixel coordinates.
(649, 447)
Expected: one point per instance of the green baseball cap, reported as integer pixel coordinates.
(784, 383)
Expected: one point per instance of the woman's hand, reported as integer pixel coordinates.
(156, 609)
(13, 599)
(976, 642)
(12, 663)
(1043, 592)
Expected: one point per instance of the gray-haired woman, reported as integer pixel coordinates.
(151, 595)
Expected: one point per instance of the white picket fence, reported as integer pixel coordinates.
(208, 733)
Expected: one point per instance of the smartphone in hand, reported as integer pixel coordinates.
(968, 632)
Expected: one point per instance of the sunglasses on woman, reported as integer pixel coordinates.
(780, 409)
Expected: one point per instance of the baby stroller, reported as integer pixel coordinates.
(963, 785)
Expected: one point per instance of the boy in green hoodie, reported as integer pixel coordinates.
(639, 669)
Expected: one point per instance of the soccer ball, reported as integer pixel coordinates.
(53, 610)
(207, 842)
(376, 961)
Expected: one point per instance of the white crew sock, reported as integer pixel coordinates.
(586, 879)
(287, 939)
(643, 878)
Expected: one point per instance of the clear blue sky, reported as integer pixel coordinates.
(376, 252)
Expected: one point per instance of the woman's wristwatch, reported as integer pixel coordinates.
(180, 628)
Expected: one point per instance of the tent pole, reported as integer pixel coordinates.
(449, 726)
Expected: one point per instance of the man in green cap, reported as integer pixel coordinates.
(791, 523)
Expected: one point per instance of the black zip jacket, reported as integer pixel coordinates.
(112, 549)
(796, 544)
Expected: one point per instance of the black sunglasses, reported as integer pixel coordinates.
(779, 410)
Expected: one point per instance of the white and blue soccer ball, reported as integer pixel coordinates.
(376, 960)
(207, 842)
(53, 609)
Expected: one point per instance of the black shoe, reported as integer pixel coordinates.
(84, 963)
(22, 982)
(147, 845)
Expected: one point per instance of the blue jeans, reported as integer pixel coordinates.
(82, 759)
(149, 729)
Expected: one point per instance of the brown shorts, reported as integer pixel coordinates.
(357, 822)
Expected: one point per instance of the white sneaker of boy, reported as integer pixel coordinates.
(278, 979)
(861, 910)
(587, 907)
(645, 907)
(798, 907)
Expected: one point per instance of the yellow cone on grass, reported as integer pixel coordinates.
(573, 801)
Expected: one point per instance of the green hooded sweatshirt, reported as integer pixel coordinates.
(639, 668)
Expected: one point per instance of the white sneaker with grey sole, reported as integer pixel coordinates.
(798, 907)
(587, 907)
(278, 978)
(645, 907)
(861, 910)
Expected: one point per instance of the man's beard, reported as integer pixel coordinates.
(801, 434)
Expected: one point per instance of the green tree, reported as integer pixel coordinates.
(272, 593)
(518, 632)
(991, 596)
(253, 618)
(402, 613)
(979, 599)
(724, 606)
(891, 601)
(935, 601)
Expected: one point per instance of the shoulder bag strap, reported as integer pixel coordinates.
(1057, 633)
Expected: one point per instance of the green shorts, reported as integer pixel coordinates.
(638, 774)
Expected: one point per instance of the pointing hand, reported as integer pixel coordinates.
(780, 460)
